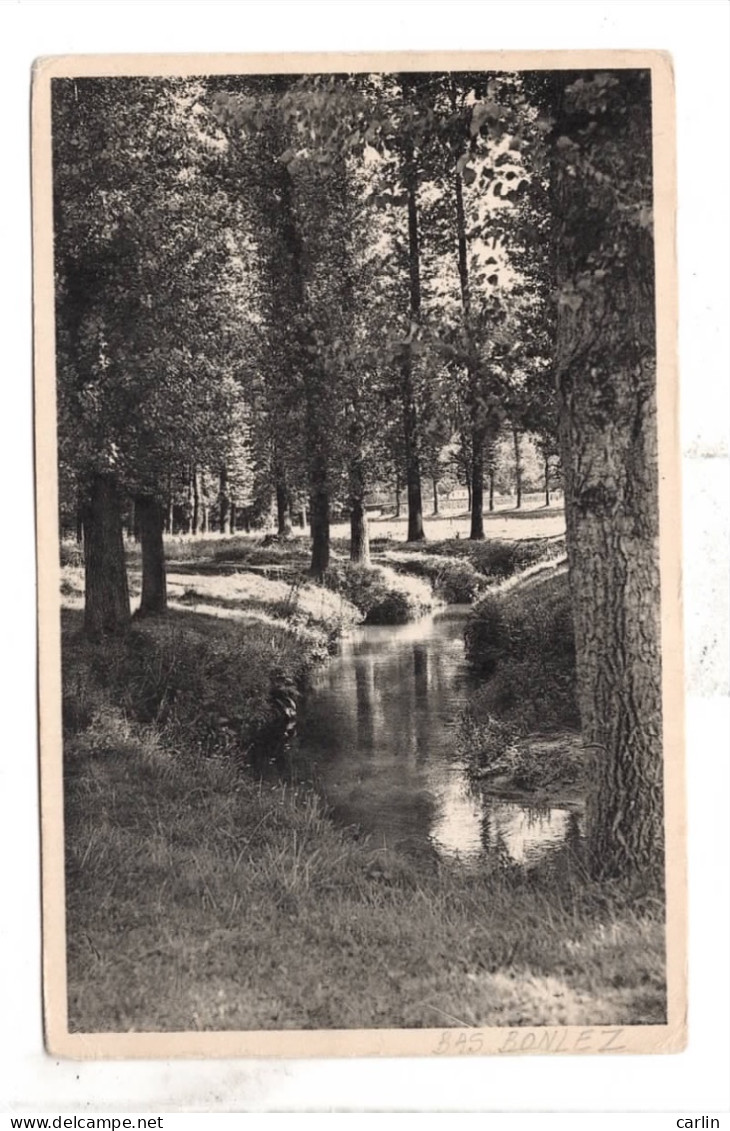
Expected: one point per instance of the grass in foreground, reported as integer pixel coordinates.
(198, 898)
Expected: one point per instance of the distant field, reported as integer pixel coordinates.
(533, 520)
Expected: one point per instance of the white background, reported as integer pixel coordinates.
(695, 1081)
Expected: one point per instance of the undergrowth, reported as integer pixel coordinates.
(381, 595)
(522, 642)
(495, 558)
(210, 684)
(521, 727)
(455, 581)
(502, 752)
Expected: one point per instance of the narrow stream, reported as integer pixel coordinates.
(375, 739)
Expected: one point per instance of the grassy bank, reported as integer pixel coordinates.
(268, 577)
(521, 639)
(198, 898)
(461, 571)
(520, 731)
(209, 684)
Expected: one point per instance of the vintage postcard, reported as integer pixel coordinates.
(359, 555)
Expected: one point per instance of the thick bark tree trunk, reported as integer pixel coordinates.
(107, 610)
(359, 535)
(606, 384)
(154, 582)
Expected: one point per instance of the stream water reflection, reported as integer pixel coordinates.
(376, 741)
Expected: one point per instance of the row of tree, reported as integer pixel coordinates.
(199, 502)
(288, 284)
(285, 286)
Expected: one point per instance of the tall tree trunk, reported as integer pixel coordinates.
(170, 520)
(189, 504)
(547, 481)
(518, 468)
(223, 502)
(319, 511)
(106, 611)
(465, 469)
(232, 517)
(476, 501)
(197, 499)
(304, 516)
(317, 392)
(80, 521)
(410, 413)
(359, 535)
(397, 493)
(283, 508)
(606, 384)
(154, 581)
(490, 458)
(318, 481)
(413, 467)
(476, 407)
(206, 518)
(435, 482)
(476, 400)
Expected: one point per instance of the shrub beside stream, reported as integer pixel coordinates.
(381, 595)
(521, 730)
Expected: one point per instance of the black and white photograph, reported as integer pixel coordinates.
(359, 561)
